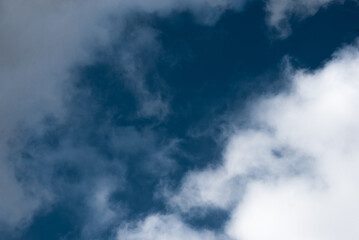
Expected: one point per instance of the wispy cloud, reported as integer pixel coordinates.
(281, 12)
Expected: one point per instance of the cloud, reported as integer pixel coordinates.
(317, 119)
(44, 42)
(280, 12)
(292, 172)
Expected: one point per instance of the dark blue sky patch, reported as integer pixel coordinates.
(57, 224)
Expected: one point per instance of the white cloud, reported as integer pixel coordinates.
(317, 118)
(293, 174)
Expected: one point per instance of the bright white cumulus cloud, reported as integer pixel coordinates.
(317, 118)
(293, 173)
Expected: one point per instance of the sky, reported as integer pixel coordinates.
(179, 119)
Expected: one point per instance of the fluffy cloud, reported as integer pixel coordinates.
(318, 119)
(292, 173)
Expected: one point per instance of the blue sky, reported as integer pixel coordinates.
(168, 119)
